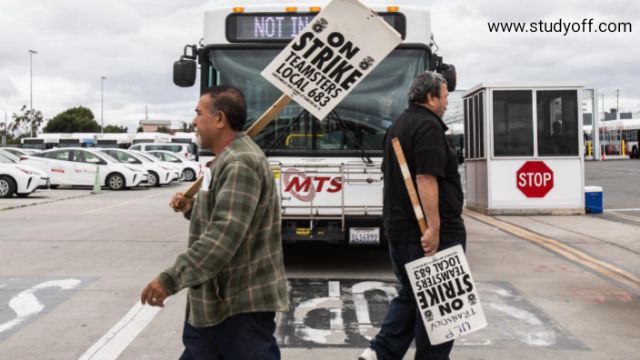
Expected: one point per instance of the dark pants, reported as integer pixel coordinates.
(403, 322)
(239, 337)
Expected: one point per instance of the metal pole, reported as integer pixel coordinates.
(102, 104)
(31, 52)
(5, 132)
(595, 131)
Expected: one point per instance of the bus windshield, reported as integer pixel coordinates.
(358, 123)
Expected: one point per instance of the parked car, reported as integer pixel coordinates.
(187, 151)
(16, 179)
(190, 169)
(158, 174)
(176, 170)
(78, 167)
(19, 152)
(43, 178)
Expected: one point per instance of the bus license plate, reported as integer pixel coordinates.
(364, 236)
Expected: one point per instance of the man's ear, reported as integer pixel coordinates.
(222, 120)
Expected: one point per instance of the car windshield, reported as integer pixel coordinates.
(359, 121)
(169, 157)
(107, 157)
(5, 160)
(148, 157)
(7, 155)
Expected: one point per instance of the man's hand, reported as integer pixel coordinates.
(154, 294)
(181, 203)
(430, 241)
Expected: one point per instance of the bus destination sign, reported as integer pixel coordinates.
(283, 27)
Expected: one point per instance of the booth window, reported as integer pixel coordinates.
(557, 123)
(513, 123)
(474, 126)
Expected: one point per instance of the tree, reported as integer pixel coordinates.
(164, 129)
(26, 123)
(187, 127)
(77, 119)
(139, 129)
(115, 129)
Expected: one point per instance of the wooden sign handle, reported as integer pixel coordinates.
(255, 128)
(413, 195)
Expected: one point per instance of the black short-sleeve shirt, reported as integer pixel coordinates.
(422, 136)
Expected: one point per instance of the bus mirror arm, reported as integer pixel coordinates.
(184, 70)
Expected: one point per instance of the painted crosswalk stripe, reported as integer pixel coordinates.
(114, 341)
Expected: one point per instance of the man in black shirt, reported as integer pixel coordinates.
(434, 168)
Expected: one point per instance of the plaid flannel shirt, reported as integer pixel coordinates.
(234, 262)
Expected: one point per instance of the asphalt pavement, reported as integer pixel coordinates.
(552, 287)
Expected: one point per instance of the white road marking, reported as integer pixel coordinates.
(26, 305)
(622, 170)
(628, 209)
(124, 203)
(114, 341)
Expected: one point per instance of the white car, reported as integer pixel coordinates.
(78, 166)
(186, 151)
(43, 178)
(190, 169)
(158, 174)
(20, 152)
(175, 170)
(16, 179)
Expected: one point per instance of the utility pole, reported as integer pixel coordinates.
(617, 104)
(31, 53)
(102, 78)
(6, 129)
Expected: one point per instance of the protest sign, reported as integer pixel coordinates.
(333, 53)
(446, 295)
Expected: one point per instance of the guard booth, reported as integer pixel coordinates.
(523, 149)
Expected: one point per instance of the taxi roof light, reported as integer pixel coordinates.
(238, 9)
(393, 8)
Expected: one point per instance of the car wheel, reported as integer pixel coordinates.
(154, 180)
(115, 182)
(7, 187)
(188, 175)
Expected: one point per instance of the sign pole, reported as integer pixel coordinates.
(413, 195)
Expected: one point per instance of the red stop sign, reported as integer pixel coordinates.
(534, 179)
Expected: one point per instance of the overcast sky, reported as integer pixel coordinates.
(134, 44)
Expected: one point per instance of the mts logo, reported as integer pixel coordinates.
(304, 187)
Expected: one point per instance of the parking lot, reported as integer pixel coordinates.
(74, 265)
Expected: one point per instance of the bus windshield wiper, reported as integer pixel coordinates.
(304, 113)
(334, 115)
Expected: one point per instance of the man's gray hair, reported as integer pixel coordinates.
(425, 83)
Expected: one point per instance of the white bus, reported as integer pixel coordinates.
(328, 170)
(151, 137)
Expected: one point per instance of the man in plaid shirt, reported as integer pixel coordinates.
(233, 266)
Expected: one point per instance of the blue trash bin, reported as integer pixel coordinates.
(593, 199)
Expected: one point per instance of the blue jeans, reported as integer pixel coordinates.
(403, 322)
(239, 337)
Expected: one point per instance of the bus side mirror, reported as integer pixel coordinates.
(449, 73)
(184, 72)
